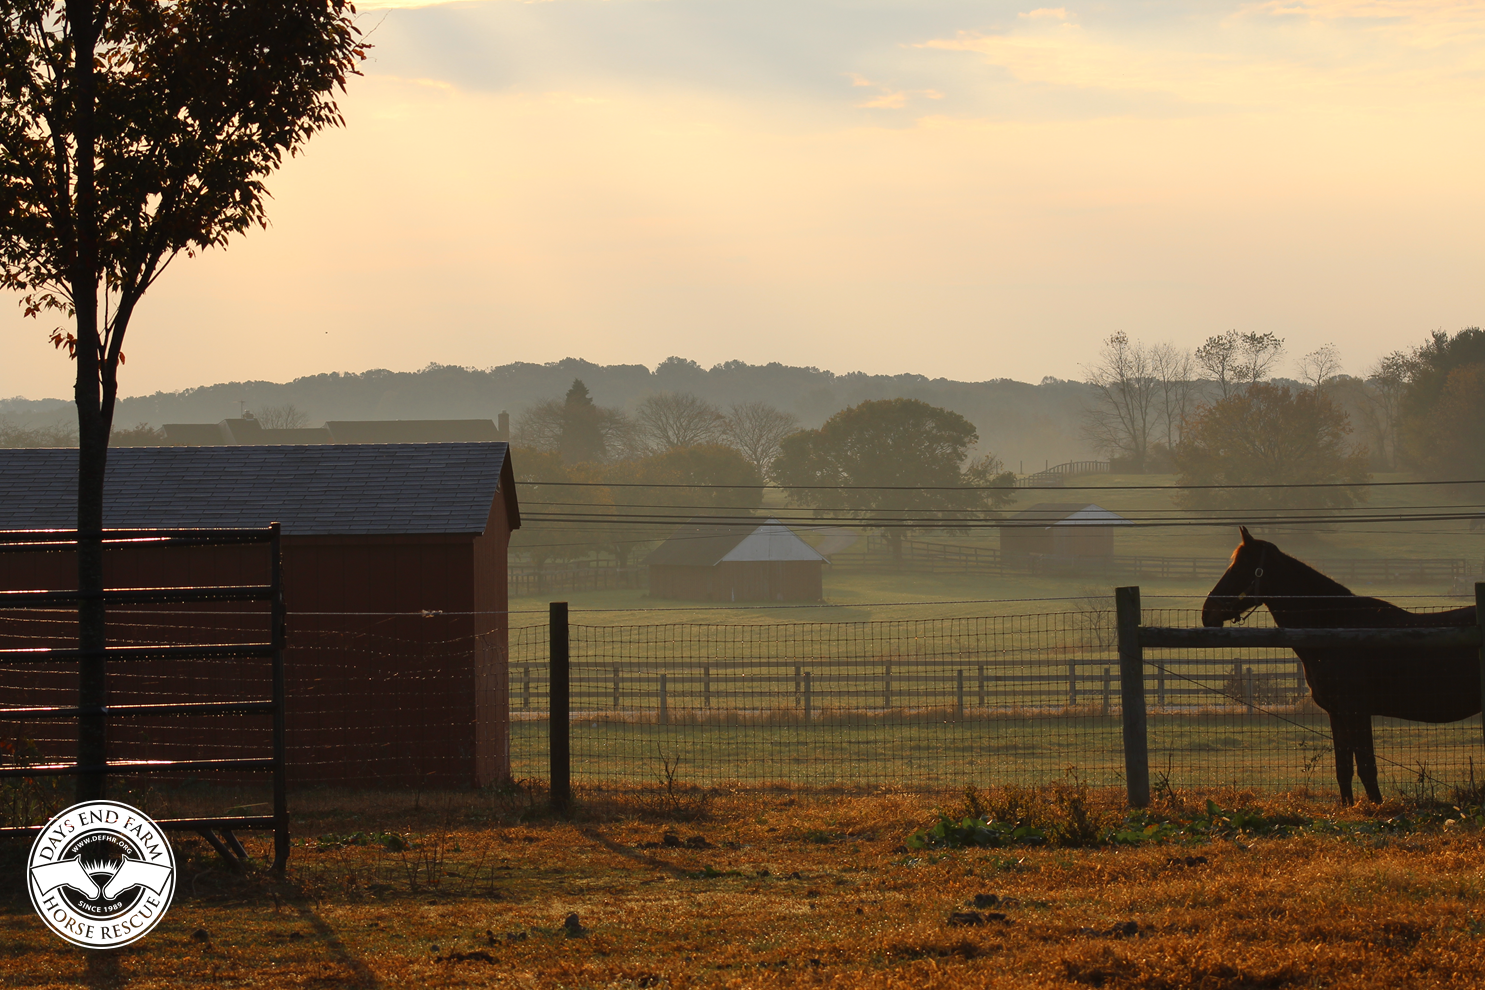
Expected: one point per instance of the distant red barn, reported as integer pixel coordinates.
(764, 561)
(394, 578)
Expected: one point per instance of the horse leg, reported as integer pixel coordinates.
(1341, 737)
(1366, 758)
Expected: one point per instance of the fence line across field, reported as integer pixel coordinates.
(841, 685)
(944, 702)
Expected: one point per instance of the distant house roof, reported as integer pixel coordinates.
(703, 544)
(414, 431)
(246, 430)
(196, 434)
(313, 490)
(1069, 514)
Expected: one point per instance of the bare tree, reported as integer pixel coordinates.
(678, 419)
(284, 416)
(540, 425)
(1236, 360)
(756, 429)
(1319, 368)
(1119, 424)
(1175, 373)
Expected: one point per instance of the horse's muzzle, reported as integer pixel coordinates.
(1215, 615)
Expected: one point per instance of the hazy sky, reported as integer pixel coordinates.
(969, 190)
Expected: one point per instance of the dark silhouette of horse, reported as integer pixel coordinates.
(1352, 683)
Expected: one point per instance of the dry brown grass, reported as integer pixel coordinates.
(791, 889)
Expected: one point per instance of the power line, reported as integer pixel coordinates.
(997, 488)
(775, 510)
(923, 522)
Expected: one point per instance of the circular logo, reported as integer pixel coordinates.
(101, 874)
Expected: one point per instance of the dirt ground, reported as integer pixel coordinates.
(785, 888)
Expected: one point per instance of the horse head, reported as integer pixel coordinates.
(1236, 593)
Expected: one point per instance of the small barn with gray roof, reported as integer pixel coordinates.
(1061, 529)
(394, 579)
(764, 561)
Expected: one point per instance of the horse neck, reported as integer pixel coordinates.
(1297, 595)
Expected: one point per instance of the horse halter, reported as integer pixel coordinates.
(1252, 590)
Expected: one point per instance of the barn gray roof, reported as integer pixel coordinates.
(1069, 514)
(313, 490)
(704, 544)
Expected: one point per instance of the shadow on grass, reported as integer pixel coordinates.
(361, 973)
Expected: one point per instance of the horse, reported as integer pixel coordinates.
(1351, 683)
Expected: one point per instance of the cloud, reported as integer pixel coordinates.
(1060, 13)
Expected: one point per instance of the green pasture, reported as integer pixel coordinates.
(1264, 752)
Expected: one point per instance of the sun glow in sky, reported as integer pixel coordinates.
(963, 189)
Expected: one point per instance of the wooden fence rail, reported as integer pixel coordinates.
(1134, 638)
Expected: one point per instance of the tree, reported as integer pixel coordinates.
(284, 416)
(678, 419)
(756, 429)
(573, 427)
(138, 435)
(575, 507)
(1377, 401)
(899, 461)
(1236, 360)
(130, 133)
(1175, 376)
(1268, 435)
(1320, 367)
(1120, 422)
(1440, 425)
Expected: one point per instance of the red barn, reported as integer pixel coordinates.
(763, 561)
(394, 578)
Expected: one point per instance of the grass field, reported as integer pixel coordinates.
(781, 888)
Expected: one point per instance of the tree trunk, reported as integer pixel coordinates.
(894, 540)
(93, 415)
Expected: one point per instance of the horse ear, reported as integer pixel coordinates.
(1247, 536)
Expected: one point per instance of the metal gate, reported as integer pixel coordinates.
(216, 831)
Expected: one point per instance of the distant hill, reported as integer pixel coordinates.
(1017, 421)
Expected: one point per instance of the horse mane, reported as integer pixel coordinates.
(1323, 585)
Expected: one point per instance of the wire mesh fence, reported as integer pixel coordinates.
(1014, 699)
(401, 701)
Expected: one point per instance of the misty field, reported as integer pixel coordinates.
(779, 887)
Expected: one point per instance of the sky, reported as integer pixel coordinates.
(969, 190)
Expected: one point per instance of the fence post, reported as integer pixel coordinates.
(706, 687)
(616, 688)
(664, 703)
(808, 699)
(887, 686)
(1160, 684)
(558, 724)
(525, 687)
(1107, 683)
(1480, 621)
(796, 684)
(1072, 683)
(278, 636)
(981, 669)
(1248, 688)
(1132, 694)
(958, 695)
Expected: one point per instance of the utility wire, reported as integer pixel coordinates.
(996, 488)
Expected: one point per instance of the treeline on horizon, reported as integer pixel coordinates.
(1414, 409)
(1037, 423)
